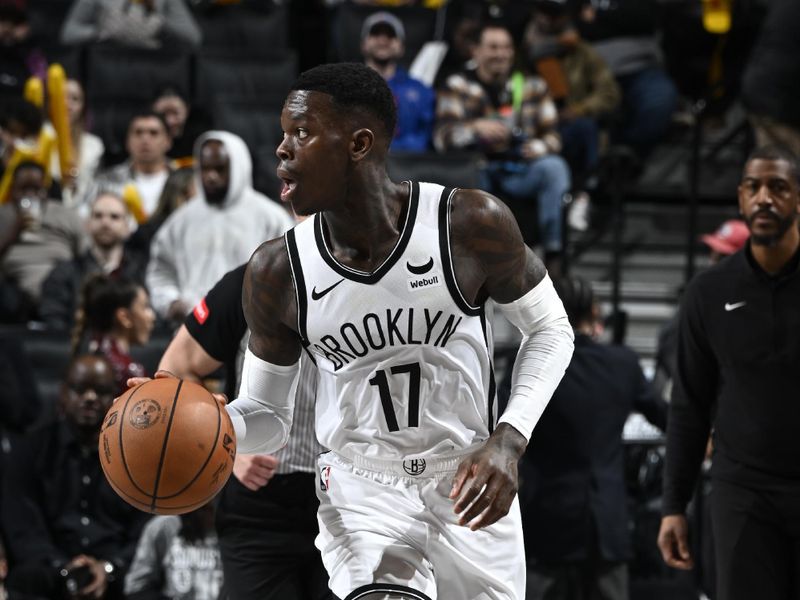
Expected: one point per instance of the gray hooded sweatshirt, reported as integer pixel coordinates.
(200, 242)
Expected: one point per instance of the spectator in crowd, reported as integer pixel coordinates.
(215, 231)
(35, 233)
(513, 120)
(88, 148)
(20, 58)
(141, 178)
(583, 87)
(109, 227)
(113, 315)
(573, 496)
(771, 80)
(623, 33)
(266, 515)
(738, 352)
(382, 46)
(177, 558)
(134, 23)
(20, 126)
(185, 122)
(178, 189)
(59, 514)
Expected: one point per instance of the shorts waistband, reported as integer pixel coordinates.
(409, 467)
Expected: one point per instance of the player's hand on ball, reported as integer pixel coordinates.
(486, 482)
(254, 470)
(161, 374)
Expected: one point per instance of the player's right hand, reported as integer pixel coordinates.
(673, 541)
(254, 470)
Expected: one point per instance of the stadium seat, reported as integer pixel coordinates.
(242, 31)
(115, 73)
(222, 76)
(452, 169)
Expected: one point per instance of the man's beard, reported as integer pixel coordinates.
(217, 197)
(381, 61)
(770, 239)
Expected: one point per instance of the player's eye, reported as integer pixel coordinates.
(302, 133)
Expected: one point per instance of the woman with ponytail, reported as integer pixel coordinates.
(113, 315)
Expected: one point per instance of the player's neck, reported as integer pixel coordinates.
(774, 257)
(372, 214)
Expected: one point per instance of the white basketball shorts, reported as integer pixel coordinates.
(382, 529)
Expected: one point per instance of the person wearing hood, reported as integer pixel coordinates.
(215, 231)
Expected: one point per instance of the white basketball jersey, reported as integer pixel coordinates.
(405, 363)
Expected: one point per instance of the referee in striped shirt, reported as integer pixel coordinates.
(267, 512)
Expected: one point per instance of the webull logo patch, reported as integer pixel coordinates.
(420, 283)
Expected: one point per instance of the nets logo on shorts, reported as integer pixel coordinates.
(414, 466)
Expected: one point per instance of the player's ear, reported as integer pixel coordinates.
(361, 144)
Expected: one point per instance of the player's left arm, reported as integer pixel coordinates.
(492, 261)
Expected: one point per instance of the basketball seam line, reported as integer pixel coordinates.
(164, 446)
(121, 443)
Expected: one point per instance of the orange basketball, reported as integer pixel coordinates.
(167, 446)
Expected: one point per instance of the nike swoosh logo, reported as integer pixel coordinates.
(315, 295)
(422, 269)
(729, 307)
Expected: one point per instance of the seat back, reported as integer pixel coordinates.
(127, 74)
(451, 170)
(220, 76)
(245, 32)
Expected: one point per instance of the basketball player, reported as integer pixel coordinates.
(386, 288)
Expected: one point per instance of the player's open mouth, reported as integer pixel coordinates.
(289, 183)
(288, 188)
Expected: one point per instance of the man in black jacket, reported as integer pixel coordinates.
(67, 532)
(572, 494)
(738, 373)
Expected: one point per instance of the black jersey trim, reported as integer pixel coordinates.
(295, 266)
(492, 385)
(365, 591)
(447, 257)
(394, 255)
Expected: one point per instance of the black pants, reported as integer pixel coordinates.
(266, 539)
(757, 539)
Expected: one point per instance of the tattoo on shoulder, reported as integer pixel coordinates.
(488, 228)
(267, 294)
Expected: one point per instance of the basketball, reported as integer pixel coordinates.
(167, 446)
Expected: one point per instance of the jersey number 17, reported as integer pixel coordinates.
(381, 381)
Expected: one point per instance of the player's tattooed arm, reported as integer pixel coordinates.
(490, 260)
(269, 305)
(489, 254)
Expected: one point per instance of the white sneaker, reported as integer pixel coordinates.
(578, 215)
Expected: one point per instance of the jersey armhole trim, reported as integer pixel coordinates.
(299, 284)
(447, 256)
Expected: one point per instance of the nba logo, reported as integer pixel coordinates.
(414, 466)
(324, 478)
